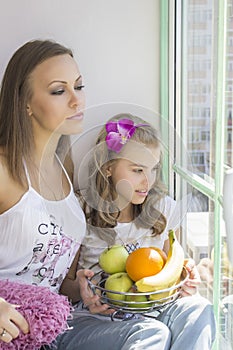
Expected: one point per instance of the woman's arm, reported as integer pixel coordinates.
(70, 285)
(11, 322)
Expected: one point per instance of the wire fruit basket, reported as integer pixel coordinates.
(152, 300)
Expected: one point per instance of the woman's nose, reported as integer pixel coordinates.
(77, 99)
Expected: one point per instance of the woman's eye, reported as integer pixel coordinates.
(58, 92)
(79, 87)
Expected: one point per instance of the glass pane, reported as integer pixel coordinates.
(198, 108)
(203, 229)
(229, 86)
(226, 268)
(199, 242)
(198, 239)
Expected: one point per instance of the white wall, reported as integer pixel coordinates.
(116, 43)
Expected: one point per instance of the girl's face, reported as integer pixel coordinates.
(134, 173)
(57, 100)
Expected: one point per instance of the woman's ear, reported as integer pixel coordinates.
(29, 110)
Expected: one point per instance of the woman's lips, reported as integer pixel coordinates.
(76, 117)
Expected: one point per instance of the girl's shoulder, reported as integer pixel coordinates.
(173, 210)
(165, 204)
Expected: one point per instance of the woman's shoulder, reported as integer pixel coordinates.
(4, 177)
(4, 174)
(10, 190)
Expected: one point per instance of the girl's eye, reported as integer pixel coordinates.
(79, 87)
(138, 170)
(156, 167)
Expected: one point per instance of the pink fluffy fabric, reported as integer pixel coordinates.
(46, 312)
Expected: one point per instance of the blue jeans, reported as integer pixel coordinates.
(187, 324)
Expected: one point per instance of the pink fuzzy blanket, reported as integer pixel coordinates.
(45, 311)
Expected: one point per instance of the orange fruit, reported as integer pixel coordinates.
(162, 253)
(144, 262)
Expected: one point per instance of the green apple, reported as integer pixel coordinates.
(137, 298)
(118, 282)
(113, 259)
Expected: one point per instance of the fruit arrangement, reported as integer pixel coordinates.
(143, 280)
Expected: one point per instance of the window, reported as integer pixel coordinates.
(197, 64)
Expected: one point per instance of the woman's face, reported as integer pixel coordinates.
(134, 173)
(57, 101)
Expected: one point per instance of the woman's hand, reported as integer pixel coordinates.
(11, 322)
(190, 287)
(91, 300)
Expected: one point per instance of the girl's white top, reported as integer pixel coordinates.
(39, 238)
(129, 234)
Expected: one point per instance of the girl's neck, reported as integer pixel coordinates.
(126, 214)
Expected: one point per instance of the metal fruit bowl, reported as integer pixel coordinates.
(162, 297)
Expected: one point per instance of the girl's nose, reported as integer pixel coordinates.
(146, 179)
(149, 179)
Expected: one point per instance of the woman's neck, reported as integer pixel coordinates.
(45, 149)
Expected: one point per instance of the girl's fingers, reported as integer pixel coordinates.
(189, 264)
(101, 309)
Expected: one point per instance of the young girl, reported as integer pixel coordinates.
(126, 203)
(41, 221)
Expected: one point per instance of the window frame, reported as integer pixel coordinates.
(173, 97)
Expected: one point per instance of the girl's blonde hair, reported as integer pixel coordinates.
(100, 193)
(16, 137)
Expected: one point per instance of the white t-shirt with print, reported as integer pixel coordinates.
(129, 234)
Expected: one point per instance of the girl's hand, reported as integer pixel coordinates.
(91, 300)
(206, 270)
(190, 287)
(11, 322)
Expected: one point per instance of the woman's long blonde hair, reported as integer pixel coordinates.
(98, 199)
(16, 137)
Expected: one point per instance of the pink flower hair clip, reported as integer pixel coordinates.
(119, 133)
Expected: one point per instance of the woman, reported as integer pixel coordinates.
(42, 224)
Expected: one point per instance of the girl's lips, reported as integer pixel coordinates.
(142, 193)
(76, 117)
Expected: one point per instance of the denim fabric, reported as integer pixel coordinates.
(187, 324)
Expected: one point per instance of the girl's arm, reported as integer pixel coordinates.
(191, 285)
(76, 287)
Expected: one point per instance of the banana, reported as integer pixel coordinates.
(171, 271)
